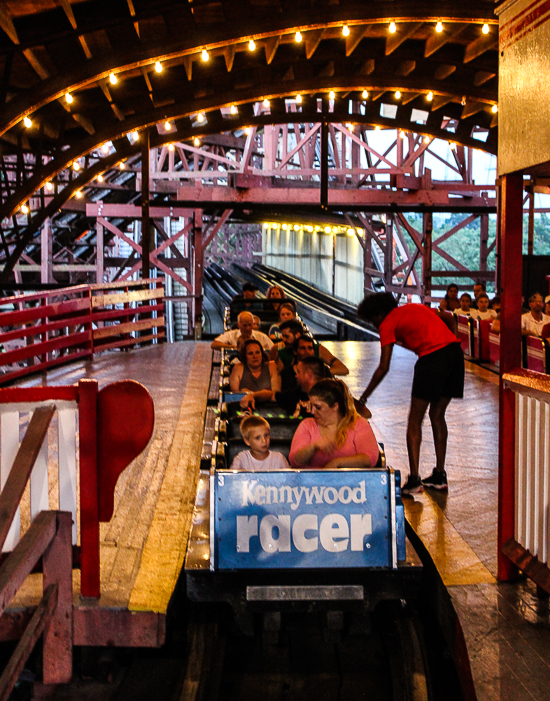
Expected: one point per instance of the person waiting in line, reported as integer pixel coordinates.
(465, 308)
(483, 312)
(256, 433)
(245, 329)
(336, 436)
(283, 352)
(287, 312)
(255, 374)
(438, 374)
(533, 322)
(450, 302)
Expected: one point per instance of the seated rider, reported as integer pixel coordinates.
(255, 373)
(336, 436)
(255, 431)
(283, 352)
(244, 329)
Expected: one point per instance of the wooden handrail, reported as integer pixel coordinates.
(49, 539)
(22, 468)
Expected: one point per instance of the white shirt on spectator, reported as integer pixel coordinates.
(230, 337)
(245, 461)
(490, 314)
(534, 327)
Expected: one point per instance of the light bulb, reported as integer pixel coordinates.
(100, 178)
(298, 98)
(247, 130)
(453, 146)
(426, 139)
(485, 28)
(401, 134)
(197, 141)
(392, 28)
(397, 94)
(345, 30)
(27, 122)
(170, 147)
(266, 102)
(233, 109)
(113, 79)
(105, 148)
(135, 136)
(158, 67)
(200, 117)
(365, 94)
(494, 109)
(49, 186)
(332, 94)
(122, 165)
(251, 45)
(430, 96)
(78, 194)
(377, 128)
(24, 209)
(69, 98)
(167, 125)
(76, 165)
(298, 37)
(439, 27)
(205, 55)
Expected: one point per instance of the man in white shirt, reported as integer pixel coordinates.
(245, 331)
(534, 320)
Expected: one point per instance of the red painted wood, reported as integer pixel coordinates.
(10, 395)
(464, 333)
(511, 219)
(25, 316)
(537, 354)
(481, 330)
(89, 510)
(494, 349)
(126, 417)
(38, 349)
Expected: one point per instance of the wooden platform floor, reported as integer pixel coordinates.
(506, 627)
(143, 546)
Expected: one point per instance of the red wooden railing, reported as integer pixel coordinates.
(110, 437)
(46, 329)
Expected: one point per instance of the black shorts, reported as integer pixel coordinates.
(440, 374)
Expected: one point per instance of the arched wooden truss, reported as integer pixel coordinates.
(59, 47)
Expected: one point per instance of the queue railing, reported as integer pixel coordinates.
(42, 330)
(94, 437)
(525, 473)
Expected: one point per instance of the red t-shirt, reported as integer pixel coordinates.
(417, 328)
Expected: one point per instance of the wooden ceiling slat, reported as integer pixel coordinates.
(36, 63)
(354, 38)
(482, 77)
(483, 43)
(271, 46)
(66, 5)
(229, 55)
(451, 33)
(444, 71)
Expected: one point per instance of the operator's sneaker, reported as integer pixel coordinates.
(412, 486)
(437, 480)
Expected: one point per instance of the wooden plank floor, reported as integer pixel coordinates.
(506, 627)
(143, 546)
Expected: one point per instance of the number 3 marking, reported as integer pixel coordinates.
(384, 478)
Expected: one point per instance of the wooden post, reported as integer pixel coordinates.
(531, 230)
(100, 253)
(511, 228)
(57, 566)
(427, 226)
(145, 224)
(89, 495)
(197, 273)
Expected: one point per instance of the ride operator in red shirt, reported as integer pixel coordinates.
(438, 374)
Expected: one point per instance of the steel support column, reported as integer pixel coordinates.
(511, 229)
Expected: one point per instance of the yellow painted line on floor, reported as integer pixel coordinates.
(164, 550)
(455, 560)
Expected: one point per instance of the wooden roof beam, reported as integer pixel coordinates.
(271, 46)
(133, 14)
(66, 5)
(483, 43)
(229, 55)
(405, 31)
(482, 77)
(312, 40)
(37, 65)
(437, 40)
(6, 23)
(444, 71)
(355, 36)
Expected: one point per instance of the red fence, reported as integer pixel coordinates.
(110, 437)
(42, 330)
